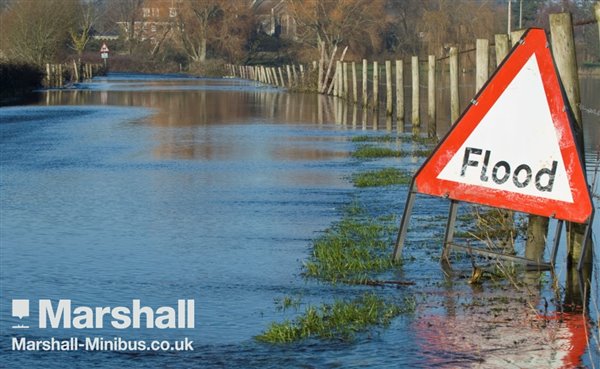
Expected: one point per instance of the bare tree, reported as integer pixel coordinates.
(195, 19)
(128, 13)
(232, 29)
(84, 15)
(328, 24)
(445, 22)
(401, 35)
(220, 25)
(34, 31)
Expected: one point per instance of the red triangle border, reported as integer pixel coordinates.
(534, 41)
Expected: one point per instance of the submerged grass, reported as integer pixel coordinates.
(390, 138)
(492, 226)
(287, 302)
(387, 138)
(351, 251)
(341, 320)
(382, 177)
(372, 152)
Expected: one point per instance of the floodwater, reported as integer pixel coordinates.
(162, 188)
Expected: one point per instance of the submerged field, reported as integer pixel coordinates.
(280, 226)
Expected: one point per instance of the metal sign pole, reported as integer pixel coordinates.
(405, 221)
(586, 236)
(559, 228)
(449, 236)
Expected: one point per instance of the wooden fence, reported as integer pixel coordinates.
(361, 82)
(343, 80)
(58, 75)
(338, 85)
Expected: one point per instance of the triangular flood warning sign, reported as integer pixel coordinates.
(514, 146)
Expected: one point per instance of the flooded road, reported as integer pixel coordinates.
(162, 188)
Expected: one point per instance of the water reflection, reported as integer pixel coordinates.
(191, 102)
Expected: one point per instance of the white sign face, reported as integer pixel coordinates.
(104, 55)
(515, 147)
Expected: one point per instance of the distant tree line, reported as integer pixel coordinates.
(202, 31)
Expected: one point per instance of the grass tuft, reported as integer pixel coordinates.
(372, 152)
(287, 302)
(390, 138)
(366, 138)
(382, 177)
(351, 251)
(341, 320)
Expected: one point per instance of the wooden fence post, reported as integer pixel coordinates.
(281, 77)
(295, 74)
(289, 75)
(76, 71)
(320, 82)
(270, 76)
(431, 116)
(454, 102)
(354, 84)
(399, 93)
(563, 50)
(345, 80)
(597, 14)
(48, 76)
(375, 85)
(515, 36)
(341, 80)
(501, 45)
(326, 80)
(337, 78)
(416, 121)
(365, 95)
(388, 87)
(275, 79)
(482, 62)
(60, 75)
